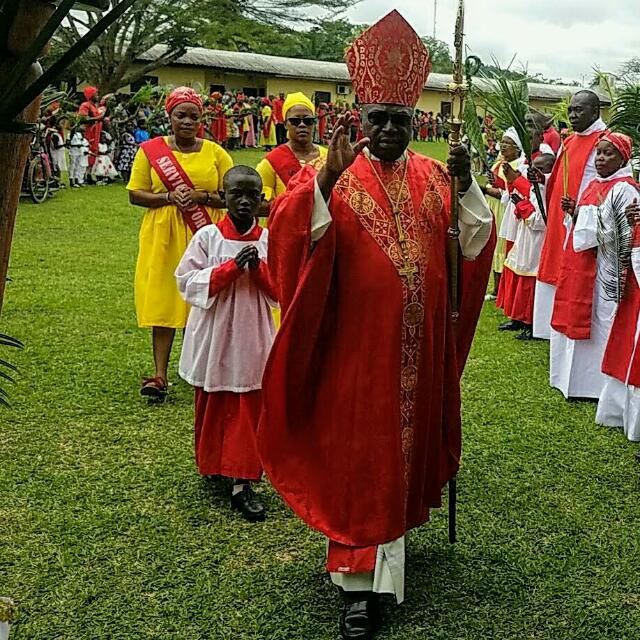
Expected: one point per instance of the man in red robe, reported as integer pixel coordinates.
(278, 118)
(93, 119)
(575, 168)
(361, 421)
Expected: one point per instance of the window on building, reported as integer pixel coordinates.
(321, 96)
(216, 87)
(250, 91)
(445, 109)
(138, 84)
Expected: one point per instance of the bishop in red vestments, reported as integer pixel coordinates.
(574, 170)
(361, 421)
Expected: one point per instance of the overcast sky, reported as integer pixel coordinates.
(558, 38)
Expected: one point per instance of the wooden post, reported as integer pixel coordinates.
(31, 16)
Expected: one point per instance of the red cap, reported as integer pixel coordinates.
(389, 63)
(621, 142)
(89, 92)
(181, 95)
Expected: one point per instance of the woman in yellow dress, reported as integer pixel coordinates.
(281, 164)
(268, 128)
(177, 179)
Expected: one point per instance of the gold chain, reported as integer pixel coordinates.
(409, 269)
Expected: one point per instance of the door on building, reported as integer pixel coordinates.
(445, 110)
(321, 96)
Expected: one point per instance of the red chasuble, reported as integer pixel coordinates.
(577, 149)
(284, 162)
(361, 421)
(573, 303)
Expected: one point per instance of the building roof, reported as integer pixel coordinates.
(260, 64)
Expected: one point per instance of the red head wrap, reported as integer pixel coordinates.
(621, 142)
(180, 95)
(389, 63)
(89, 92)
(266, 102)
(216, 95)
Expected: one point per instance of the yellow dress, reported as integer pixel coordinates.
(164, 235)
(498, 210)
(270, 139)
(272, 185)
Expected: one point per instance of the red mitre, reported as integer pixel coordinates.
(389, 63)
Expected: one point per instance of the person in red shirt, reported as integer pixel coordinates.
(278, 118)
(93, 119)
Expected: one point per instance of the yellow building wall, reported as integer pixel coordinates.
(308, 87)
(180, 76)
(432, 101)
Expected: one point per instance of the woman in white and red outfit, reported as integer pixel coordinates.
(223, 276)
(583, 309)
(619, 404)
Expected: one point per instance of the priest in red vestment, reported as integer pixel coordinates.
(361, 422)
(574, 170)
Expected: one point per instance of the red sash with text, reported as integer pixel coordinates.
(284, 162)
(573, 304)
(172, 175)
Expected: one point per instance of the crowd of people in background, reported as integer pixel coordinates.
(97, 141)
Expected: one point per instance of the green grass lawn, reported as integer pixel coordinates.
(108, 533)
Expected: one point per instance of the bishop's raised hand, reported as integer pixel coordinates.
(340, 155)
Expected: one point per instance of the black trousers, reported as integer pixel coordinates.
(281, 133)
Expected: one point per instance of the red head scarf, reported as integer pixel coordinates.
(180, 95)
(89, 92)
(389, 63)
(622, 143)
(266, 102)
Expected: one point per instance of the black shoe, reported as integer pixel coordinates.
(360, 615)
(527, 334)
(248, 504)
(511, 325)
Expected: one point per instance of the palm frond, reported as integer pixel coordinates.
(508, 102)
(472, 129)
(7, 341)
(625, 114)
(617, 254)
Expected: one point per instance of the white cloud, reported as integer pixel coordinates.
(556, 38)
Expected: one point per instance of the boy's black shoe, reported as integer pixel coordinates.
(248, 504)
(527, 334)
(359, 615)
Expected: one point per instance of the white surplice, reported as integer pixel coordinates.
(228, 335)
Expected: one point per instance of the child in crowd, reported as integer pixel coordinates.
(78, 156)
(58, 154)
(140, 133)
(126, 154)
(223, 275)
(103, 171)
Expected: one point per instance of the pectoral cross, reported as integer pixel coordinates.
(409, 269)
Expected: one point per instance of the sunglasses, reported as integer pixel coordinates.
(381, 118)
(308, 121)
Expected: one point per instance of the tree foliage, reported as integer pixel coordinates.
(440, 54)
(245, 25)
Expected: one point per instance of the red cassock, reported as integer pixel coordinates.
(361, 420)
(577, 150)
(622, 357)
(92, 131)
